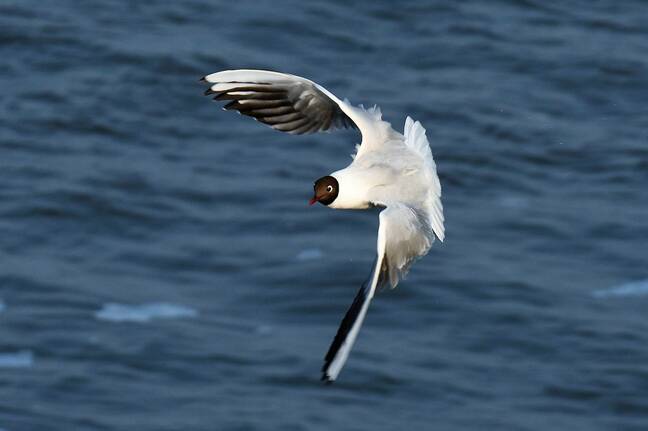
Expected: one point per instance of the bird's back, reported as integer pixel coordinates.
(408, 173)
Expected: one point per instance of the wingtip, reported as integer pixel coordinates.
(327, 379)
(209, 92)
(442, 236)
(203, 79)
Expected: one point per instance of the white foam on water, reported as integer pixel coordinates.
(309, 254)
(263, 329)
(635, 288)
(19, 359)
(142, 313)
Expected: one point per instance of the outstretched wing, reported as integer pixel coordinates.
(286, 102)
(403, 236)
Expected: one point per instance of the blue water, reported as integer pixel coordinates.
(161, 270)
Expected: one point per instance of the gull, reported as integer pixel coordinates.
(390, 170)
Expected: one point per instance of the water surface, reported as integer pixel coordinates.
(161, 270)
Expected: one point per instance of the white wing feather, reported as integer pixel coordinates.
(416, 140)
(408, 237)
(403, 236)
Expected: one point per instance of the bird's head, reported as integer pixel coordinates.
(326, 189)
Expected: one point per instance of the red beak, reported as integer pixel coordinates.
(312, 200)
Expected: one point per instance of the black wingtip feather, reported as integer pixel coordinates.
(258, 98)
(343, 331)
(231, 105)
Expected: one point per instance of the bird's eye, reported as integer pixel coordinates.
(329, 188)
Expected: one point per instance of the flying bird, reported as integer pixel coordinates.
(390, 170)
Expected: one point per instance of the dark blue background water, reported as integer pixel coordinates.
(160, 269)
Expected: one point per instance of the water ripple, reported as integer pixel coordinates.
(142, 313)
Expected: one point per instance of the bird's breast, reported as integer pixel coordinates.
(355, 187)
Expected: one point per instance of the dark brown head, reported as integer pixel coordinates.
(326, 190)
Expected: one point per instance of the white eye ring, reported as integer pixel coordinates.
(329, 188)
